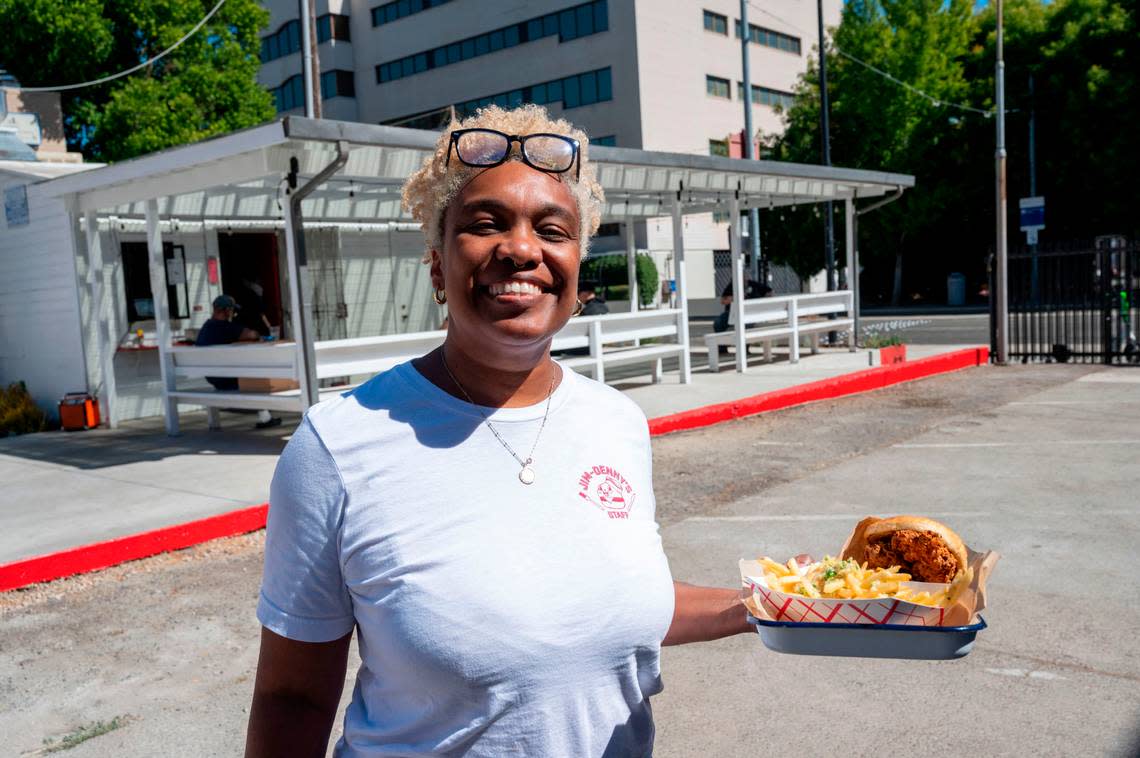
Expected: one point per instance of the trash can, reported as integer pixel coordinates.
(956, 289)
(78, 411)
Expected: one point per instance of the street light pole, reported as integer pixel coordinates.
(829, 228)
(310, 64)
(1002, 250)
(749, 149)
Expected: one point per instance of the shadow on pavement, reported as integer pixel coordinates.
(146, 440)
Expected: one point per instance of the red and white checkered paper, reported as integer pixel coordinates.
(781, 606)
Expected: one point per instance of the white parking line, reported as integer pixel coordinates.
(1075, 402)
(817, 516)
(1047, 675)
(1038, 443)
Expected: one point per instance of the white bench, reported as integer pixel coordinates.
(604, 336)
(614, 340)
(791, 318)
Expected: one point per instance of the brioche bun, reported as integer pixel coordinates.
(885, 527)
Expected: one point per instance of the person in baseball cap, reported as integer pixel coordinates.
(221, 329)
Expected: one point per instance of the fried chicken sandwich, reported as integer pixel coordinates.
(926, 549)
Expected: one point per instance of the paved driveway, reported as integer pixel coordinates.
(1037, 462)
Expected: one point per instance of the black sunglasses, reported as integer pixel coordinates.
(483, 148)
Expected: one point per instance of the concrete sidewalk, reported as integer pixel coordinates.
(64, 490)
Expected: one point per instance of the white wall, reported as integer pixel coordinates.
(39, 314)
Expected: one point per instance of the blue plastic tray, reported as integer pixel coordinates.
(929, 643)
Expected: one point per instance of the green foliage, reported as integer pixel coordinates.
(206, 87)
(18, 412)
(610, 271)
(1083, 55)
(882, 340)
(82, 734)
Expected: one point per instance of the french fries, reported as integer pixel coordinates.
(847, 579)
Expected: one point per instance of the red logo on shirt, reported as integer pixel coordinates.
(607, 490)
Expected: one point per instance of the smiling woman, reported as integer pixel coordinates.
(506, 581)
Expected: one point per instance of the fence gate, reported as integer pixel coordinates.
(1077, 304)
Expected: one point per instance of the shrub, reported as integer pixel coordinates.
(610, 272)
(882, 340)
(18, 412)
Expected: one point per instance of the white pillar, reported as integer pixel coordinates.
(852, 269)
(161, 314)
(738, 292)
(298, 287)
(108, 398)
(631, 265)
(682, 290)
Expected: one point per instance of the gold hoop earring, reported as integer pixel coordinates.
(440, 296)
(578, 308)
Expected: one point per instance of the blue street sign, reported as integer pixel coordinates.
(1032, 213)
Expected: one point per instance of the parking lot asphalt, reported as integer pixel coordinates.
(1037, 462)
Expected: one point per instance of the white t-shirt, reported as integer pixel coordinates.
(494, 618)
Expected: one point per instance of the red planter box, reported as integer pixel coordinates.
(891, 355)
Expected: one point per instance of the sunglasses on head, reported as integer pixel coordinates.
(483, 148)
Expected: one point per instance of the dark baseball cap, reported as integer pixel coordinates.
(225, 301)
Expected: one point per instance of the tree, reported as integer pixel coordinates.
(1084, 56)
(879, 124)
(208, 86)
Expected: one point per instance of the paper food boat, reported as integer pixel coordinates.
(774, 605)
(765, 602)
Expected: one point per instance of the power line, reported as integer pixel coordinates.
(910, 87)
(132, 70)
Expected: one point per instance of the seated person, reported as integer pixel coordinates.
(592, 305)
(752, 289)
(221, 329)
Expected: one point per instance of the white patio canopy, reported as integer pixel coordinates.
(300, 171)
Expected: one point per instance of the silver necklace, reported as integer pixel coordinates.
(526, 473)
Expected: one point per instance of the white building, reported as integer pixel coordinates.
(649, 74)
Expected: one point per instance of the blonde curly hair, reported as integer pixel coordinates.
(429, 191)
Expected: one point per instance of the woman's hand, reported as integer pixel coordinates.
(296, 696)
(705, 613)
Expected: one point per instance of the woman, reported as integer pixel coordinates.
(506, 580)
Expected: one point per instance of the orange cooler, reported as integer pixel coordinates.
(78, 411)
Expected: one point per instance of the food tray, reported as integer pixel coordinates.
(929, 643)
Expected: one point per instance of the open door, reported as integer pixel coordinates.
(250, 275)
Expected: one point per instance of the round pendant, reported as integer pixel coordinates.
(526, 476)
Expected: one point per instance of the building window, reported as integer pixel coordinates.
(607, 141)
(291, 94)
(769, 38)
(337, 83)
(285, 41)
(717, 87)
(333, 26)
(572, 23)
(766, 96)
(718, 147)
(714, 22)
(608, 230)
(389, 12)
(569, 92)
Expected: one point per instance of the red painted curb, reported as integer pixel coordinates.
(101, 555)
(825, 389)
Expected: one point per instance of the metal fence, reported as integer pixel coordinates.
(782, 279)
(1075, 305)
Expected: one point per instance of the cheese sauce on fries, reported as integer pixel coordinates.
(848, 579)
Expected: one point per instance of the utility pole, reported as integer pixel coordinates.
(828, 227)
(310, 65)
(1034, 289)
(1001, 247)
(749, 149)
